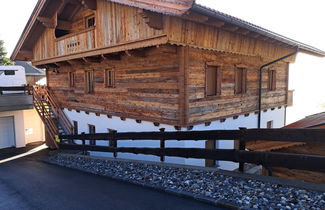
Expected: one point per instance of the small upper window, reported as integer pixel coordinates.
(89, 82)
(90, 21)
(71, 79)
(110, 78)
(240, 81)
(213, 81)
(10, 72)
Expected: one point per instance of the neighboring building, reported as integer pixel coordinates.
(19, 122)
(132, 66)
(33, 75)
(312, 121)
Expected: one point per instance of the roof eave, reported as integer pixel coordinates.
(243, 24)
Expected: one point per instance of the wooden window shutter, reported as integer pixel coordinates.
(219, 81)
(271, 80)
(213, 81)
(244, 80)
(71, 79)
(240, 80)
(274, 80)
(89, 80)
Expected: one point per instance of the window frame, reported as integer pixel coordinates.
(271, 83)
(110, 78)
(12, 72)
(87, 19)
(72, 79)
(217, 80)
(89, 82)
(240, 81)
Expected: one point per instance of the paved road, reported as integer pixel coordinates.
(28, 183)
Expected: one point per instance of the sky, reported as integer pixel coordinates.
(301, 20)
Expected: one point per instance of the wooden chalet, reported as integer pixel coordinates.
(173, 63)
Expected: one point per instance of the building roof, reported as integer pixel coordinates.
(175, 8)
(244, 24)
(311, 121)
(29, 69)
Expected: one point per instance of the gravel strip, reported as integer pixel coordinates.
(200, 184)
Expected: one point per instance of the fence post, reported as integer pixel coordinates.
(83, 143)
(162, 145)
(114, 143)
(242, 146)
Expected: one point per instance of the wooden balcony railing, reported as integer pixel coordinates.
(75, 42)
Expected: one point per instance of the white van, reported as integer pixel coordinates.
(12, 76)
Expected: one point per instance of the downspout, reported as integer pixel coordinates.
(260, 84)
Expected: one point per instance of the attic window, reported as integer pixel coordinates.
(90, 21)
(9, 72)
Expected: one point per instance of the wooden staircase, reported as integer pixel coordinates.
(55, 121)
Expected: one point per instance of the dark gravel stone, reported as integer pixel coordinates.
(244, 193)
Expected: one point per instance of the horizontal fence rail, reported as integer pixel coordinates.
(289, 135)
(267, 159)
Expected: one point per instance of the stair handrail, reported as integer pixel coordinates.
(48, 95)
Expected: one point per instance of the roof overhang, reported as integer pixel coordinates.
(170, 7)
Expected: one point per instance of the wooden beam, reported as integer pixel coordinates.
(243, 31)
(153, 19)
(289, 135)
(196, 17)
(47, 22)
(231, 28)
(26, 53)
(215, 22)
(89, 4)
(271, 159)
(64, 25)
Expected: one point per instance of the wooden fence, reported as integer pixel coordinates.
(241, 155)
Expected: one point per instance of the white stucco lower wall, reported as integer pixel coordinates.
(103, 123)
(28, 126)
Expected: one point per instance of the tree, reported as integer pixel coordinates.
(3, 59)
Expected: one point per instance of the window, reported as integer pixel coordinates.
(213, 81)
(90, 21)
(10, 72)
(75, 127)
(71, 79)
(92, 130)
(269, 124)
(271, 80)
(110, 78)
(240, 81)
(89, 82)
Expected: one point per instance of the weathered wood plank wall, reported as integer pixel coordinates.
(146, 87)
(203, 108)
(120, 24)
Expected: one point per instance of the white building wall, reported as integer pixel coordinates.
(28, 126)
(103, 123)
(18, 79)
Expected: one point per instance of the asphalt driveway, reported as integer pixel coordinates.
(29, 183)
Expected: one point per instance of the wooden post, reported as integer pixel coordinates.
(83, 143)
(162, 145)
(242, 146)
(114, 144)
